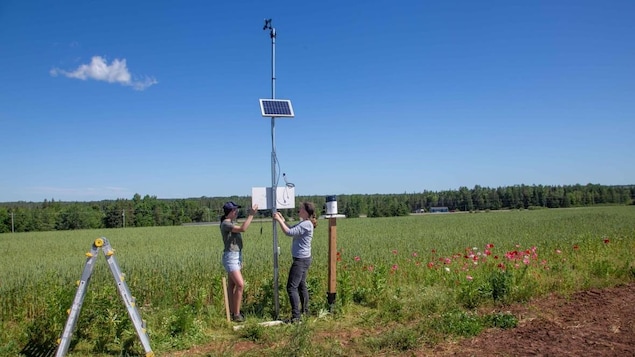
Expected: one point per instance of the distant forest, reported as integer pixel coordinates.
(152, 211)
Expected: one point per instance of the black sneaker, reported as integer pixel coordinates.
(294, 320)
(238, 317)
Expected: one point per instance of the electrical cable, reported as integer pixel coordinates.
(288, 185)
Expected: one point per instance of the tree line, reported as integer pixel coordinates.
(152, 211)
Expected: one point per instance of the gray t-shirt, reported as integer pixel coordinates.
(302, 234)
(233, 241)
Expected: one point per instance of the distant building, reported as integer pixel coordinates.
(439, 210)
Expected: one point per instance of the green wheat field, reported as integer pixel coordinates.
(429, 271)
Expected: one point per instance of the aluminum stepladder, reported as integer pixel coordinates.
(91, 257)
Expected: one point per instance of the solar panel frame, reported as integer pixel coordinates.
(279, 108)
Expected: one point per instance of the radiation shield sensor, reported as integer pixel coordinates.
(278, 108)
(331, 208)
(331, 205)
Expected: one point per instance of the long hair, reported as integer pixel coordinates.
(309, 207)
(224, 216)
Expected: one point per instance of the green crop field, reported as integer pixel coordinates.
(389, 269)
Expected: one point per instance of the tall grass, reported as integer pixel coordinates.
(395, 269)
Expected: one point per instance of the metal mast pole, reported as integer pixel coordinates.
(274, 189)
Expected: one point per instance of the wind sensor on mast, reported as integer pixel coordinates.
(274, 108)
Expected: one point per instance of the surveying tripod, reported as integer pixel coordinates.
(128, 299)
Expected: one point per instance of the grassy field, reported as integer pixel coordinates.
(433, 271)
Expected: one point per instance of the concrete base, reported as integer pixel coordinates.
(266, 324)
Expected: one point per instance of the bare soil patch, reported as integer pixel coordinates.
(588, 323)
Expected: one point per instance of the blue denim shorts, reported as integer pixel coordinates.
(232, 261)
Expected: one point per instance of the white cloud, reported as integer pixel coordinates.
(98, 69)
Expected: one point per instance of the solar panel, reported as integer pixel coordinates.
(276, 108)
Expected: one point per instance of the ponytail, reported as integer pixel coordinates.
(309, 207)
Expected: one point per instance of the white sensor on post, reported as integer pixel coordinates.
(331, 205)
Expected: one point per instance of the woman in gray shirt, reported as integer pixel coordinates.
(302, 234)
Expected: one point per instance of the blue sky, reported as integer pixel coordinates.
(105, 99)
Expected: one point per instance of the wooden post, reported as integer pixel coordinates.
(332, 262)
(226, 299)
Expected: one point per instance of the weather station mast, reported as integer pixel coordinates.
(275, 108)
